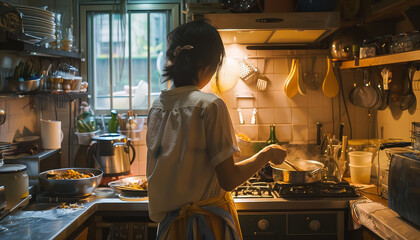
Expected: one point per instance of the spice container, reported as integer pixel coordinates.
(67, 84)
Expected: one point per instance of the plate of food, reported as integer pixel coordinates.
(131, 186)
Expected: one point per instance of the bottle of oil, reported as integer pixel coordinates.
(272, 139)
(266, 173)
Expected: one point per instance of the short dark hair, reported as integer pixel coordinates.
(207, 51)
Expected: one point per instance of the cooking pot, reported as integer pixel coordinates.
(111, 152)
(16, 183)
(344, 40)
(70, 187)
(285, 174)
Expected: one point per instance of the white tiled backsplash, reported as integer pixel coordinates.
(21, 119)
(296, 117)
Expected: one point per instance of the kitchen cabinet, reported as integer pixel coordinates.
(382, 60)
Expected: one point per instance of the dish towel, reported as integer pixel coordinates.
(202, 220)
(381, 220)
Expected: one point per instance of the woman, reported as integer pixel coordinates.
(191, 144)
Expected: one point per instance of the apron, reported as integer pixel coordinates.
(214, 218)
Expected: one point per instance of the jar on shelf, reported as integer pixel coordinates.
(368, 48)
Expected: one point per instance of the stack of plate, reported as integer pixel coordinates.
(4, 146)
(38, 23)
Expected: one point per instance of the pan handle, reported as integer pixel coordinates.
(311, 173)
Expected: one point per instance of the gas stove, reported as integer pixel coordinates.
(269, 210)
(255, 189)
(316, 190)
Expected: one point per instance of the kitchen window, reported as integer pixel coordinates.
(125, 53)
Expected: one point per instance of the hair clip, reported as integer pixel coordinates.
(178, 49)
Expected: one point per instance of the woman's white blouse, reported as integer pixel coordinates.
(188, 134)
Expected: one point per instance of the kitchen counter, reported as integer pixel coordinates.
(45, 221)
(375, 215)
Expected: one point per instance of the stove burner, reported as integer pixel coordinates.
(316, 190)
(253, 189)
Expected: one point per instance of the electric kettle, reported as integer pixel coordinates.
(111, 153)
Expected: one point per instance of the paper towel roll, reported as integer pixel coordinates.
(51, 134)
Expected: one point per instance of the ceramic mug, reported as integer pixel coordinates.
(51, 134)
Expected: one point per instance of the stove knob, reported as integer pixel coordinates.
(263, 224)
(314, 225)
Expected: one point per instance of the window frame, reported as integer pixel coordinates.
(173, 11)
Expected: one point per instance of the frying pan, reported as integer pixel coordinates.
(284, 174)
(365, 96)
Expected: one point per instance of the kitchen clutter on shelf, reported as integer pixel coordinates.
(86, 124)
(28, 76)
(130, 125)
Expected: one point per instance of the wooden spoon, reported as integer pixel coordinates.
(291, 84)
(293, 166)
(330, 85)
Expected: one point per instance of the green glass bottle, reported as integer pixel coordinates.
(272, 139)
(113, 122)
(266, 173)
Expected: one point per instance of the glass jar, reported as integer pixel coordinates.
(368, 49)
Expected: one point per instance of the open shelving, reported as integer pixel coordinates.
(14, 45)
(382, 60)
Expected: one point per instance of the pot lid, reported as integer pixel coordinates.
(11, 168)
(109, 137)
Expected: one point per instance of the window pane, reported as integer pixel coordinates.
(157, 51)
(148, 30)
(139, 45)
(120, 64)
(100, 30)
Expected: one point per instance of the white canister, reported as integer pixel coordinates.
(51, 134)
(16, 183)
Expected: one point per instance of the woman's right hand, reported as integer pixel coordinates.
(274, 153)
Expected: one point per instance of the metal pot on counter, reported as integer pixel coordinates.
(70, 187)
(111, 152)
(284, 174)
(16, 183)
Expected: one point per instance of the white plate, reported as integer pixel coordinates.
(129, 192)
(27, 139)
(33, 28)
(33, 11)
(103, 192)
(36, 22)
(40, 34)
(131, 199)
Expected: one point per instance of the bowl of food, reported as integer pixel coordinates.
(70, 182)
(131, 186)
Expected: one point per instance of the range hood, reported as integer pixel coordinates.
(290, 28)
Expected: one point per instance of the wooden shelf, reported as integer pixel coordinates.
(62, 96)
(383, 60)
(12, 45)
(59, 96)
